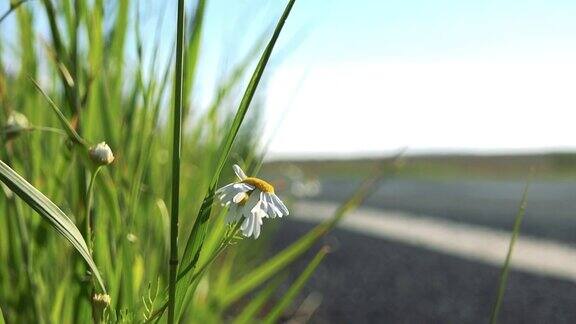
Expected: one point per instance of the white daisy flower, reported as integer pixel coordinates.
(253, 199)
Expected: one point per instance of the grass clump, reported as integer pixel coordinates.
(141, 244)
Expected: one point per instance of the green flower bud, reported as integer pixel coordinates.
(15, 124)
(101, 154)
(99, 304)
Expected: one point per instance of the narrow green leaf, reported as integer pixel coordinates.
(118, 42)
(61, 57)
(251, 310)
(296, 287)
(50, 212)
(192, 53)
(1, 317)
(196, 238)
(249, 94)
(503, 279)
(67, 127)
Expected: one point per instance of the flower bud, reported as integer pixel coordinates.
(131, 237)
(101, 154)
(99, 304)
(15, 124)
(101, 300)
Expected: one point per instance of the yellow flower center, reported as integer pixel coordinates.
(260, 184)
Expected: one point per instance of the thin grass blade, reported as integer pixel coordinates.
(67, 127)
(251, 310)
(296, 287)
(192, 54)
(51, 213)
(503, 280)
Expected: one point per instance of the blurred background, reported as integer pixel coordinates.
(474, 95)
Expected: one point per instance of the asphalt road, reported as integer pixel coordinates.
(550, 213)
(371, 280)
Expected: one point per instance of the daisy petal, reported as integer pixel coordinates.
(229, 192)
(280, 204)
(264, 205)
(239, 173)
(249, 225)
(257, 224)
(277, 212)
(244, 226)
(221, 190)
(243, 186)
(259, 214)
(234, 214)
(239, 197)
(273, 211)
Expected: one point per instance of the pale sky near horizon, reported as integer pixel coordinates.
(371, 77)
(433, 76)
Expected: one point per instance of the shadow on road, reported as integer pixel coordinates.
(370, 280)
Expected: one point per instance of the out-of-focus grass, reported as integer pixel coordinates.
(89, 91)
(503, 279)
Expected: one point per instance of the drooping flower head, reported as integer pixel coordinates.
(250, 199)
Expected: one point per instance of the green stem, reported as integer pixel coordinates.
(226, 242)
(90, 231)
(503, 280)
(13, 6)
(48, 130)
(176, 151)
(37, 128)
(89, 198)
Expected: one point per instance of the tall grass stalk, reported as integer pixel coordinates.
(89, 199)
(176, 151)
(503, 279)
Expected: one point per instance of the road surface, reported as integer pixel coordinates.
(384, 279)
(551, 211)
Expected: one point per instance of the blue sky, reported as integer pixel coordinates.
(421, 30)
(369, 77)
(478, 76)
